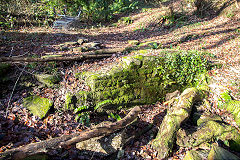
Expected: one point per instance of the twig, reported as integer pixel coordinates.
(24, 70)
(13, 90)
(11, 52)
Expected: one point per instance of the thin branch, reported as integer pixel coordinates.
(9, 101)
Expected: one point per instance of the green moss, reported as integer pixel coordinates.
(211, 130)
(143, 51)
(140, 79)
(217, 152)
(52, 55)
(199, 118)
(149, 45)
(38, 106)
(133, 42)
(226, 97)
(47, 79)
(70, 102)
(192, 155)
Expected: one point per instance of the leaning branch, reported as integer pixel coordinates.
(67, 140)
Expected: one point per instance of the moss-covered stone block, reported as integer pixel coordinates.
(192, 155)
(70, 102)
(139, 79)
(37, 106)
(217, 152)
(230, 105)
(206, 133)
(200, 118)
(73, 100)
(48, 79)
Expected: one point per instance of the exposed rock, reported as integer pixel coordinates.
(82, 40)
(192, 155)
(172, 95)
(200, 118)
(67, 45)
(172, 121)
(38, 106)
(208, 131)
(87, 47)
(103, 146)
(221, 154)
(47, 79)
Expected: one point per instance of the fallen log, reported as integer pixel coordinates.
(49, 59)
(67, 140)
(165, 139)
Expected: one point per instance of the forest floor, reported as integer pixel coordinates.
(219, 36)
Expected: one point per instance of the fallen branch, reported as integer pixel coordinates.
(98, 54)
(67, 140)
(49, 59)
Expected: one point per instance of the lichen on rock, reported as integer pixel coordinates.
(47, 79)
(192, 155)
(38, 106)
(141, 79)
(217, 152)
(207, 132)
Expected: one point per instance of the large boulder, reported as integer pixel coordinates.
(37, 106)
